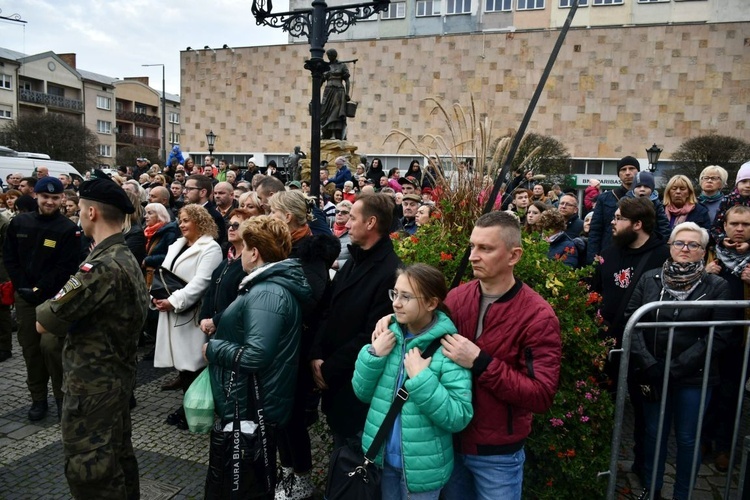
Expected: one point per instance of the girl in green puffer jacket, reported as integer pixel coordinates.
(417, 458)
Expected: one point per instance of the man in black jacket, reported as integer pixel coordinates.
(42, 250)
(359, 299)
(198, 190)
(636, 248)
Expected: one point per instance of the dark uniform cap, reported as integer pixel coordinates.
(49, 185)
(108, 192)
(408, 180)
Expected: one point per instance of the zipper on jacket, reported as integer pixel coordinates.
(218, 282)
(529, 362)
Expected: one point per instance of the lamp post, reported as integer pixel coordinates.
(653, 157)
(211, 140)
(163, 113)
(316, 23)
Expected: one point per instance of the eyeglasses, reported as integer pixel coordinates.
(234, 226)
(403, 297)
(566, 204)
(342, 212)
(691, 245)
(712, 178)
(619, 218)
(191, 188)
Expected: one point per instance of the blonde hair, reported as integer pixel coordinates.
(294, 203)
(674, 180)
(202, 219)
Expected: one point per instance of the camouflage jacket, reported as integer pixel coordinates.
(100, 311)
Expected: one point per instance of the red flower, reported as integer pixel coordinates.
(445, 256)
(414, 239)
(571, 453)
(549, 483)
(594, 298)
(394, 236)
(436, 215)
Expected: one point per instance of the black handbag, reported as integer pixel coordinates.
(239, 464)
(353, 474)
(165, 283)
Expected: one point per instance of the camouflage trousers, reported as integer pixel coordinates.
(96, 435)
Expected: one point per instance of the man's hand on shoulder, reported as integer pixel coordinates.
(460, 350)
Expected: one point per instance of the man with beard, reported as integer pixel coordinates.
(635, 248)
(41, 251)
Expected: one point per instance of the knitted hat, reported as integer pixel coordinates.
(628, 160)
(647, 179)
(744, 172)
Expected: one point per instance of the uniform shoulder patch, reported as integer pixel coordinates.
(86, 267)
(72, 284)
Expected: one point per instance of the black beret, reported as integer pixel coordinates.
(108, 192)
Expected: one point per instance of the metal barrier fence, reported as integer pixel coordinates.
(634, 323)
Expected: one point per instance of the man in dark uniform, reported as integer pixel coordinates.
(99, 313)
(41, 250)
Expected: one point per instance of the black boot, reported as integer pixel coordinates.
(58, 402)
(38, 410)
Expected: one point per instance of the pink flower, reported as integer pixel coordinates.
(580, 384)
(568, 415)
(588, 396)
(584, 419)
(556, 422)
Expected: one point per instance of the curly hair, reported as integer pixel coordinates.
(269, 235)
(202, 219)
(551, 220)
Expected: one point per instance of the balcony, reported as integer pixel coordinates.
(123, 138)
(55, 101)
(130, 116)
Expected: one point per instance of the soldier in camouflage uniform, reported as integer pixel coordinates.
(99, 312)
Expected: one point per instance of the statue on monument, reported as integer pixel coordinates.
(291, 164)
(333, 109)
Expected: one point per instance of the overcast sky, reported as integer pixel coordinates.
(115, 38)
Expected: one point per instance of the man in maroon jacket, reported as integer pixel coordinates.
(510, 339)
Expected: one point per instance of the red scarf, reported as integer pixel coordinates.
(678, 215)
(338, 229)
(150, 231)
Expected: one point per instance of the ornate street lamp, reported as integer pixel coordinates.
(211, 140)
(316, 23)
(653, 157)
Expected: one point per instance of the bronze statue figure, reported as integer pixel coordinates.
(335, 97)
(291, 164)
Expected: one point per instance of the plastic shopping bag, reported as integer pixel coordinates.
(199, 404)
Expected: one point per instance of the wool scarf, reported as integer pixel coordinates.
(678, 215)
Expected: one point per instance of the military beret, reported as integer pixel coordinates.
(49, 185)
(108, 192)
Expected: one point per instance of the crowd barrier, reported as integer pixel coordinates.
(622, 390)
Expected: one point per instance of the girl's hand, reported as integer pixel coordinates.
(384, 343)
(414, 363)
(381, 327)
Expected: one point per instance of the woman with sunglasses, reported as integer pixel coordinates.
(225, 280)
(683, 277)
(341, 232)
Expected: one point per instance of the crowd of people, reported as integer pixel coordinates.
(256, 256)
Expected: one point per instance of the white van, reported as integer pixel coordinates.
(27, 167)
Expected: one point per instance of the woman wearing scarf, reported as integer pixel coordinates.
(713, 179)
(341, 232)
(160, 233)
(681, 204)
(316, 253)
(225, 280)
(682, 277)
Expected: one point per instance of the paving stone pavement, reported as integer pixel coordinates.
(173, 463)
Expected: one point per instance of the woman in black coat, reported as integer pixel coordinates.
(682, 278)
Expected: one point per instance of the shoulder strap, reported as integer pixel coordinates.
(398, 402)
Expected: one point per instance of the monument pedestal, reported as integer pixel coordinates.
(330, 149)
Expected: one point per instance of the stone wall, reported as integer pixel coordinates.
(612, 91)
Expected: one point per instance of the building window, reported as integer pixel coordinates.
(608, 2)
(498, 5)
(140, 132)
(103, 102)
(103, 127)
(174, 117)
(458, 7)
(140, 109)
(6, 81)
(564, 4)
(530, 4)
(652, 1)
(428, 8)
(174, 138)
(395, 10)
(119, 106)
(105, 150)
(6, 112)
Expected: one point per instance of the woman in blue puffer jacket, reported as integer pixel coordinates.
(417, 458)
